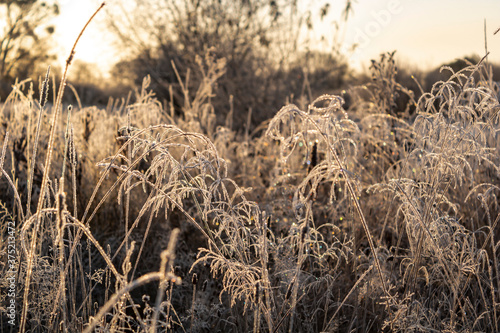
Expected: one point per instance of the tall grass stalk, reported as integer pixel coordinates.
(43, 100)
(46, 175)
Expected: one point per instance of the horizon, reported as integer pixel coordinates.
(453, 29)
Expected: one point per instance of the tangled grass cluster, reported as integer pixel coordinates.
(379, 217)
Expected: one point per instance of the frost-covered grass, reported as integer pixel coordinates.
(379, 217)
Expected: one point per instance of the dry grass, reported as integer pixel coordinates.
(381, 217)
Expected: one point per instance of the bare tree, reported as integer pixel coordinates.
(258, 38)
(24, 37)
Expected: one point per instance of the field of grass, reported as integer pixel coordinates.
(378, 214)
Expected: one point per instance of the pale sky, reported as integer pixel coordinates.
(95, 46)
(424, 32)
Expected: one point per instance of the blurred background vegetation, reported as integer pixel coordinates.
(266, 65)
(25, 40)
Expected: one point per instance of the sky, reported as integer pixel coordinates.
(95, 45)
(425, 33)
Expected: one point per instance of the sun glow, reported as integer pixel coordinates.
(95, 46)
(450, 29)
